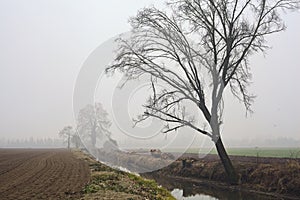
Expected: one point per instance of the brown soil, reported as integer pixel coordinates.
(41, 174)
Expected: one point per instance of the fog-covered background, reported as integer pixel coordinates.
(43, 45)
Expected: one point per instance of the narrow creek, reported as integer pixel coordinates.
(186, 190)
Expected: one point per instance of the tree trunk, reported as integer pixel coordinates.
(69, 141)
(229, 169)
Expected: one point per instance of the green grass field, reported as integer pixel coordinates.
(264, 152)
(260, 152)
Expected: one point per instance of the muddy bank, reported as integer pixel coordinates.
(269, 176)
(138, 162)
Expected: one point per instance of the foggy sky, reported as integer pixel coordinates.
(43, 45)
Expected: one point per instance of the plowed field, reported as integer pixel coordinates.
(41, 174)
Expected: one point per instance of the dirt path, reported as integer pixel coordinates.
(41, 174)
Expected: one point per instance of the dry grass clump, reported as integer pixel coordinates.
(279, 178)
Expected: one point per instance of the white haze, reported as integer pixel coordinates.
(44, 43)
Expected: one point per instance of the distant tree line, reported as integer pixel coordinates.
(31, 142)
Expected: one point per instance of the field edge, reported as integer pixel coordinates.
(109, 183)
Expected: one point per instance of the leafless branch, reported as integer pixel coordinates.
(209, 40)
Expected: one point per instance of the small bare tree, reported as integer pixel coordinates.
(66, 133)
(198, 48)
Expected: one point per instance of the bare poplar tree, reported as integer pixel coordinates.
(76, 140)
(93, 123)
(199, 48)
